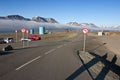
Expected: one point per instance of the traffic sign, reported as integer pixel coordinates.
(23, 30)
(85, 30)
(27, 31)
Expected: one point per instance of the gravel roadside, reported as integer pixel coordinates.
(102, 57)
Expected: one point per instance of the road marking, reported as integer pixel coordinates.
(27, 63)
(60, 46)
(65, 44)
(50, 51)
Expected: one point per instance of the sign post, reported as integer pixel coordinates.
(85, 31)
(27, 32)
(16, 35)
(23, 31)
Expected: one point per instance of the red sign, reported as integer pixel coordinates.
(85, 30)
(23, 30)
(27, 31)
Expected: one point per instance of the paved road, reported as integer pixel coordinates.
(44, 60)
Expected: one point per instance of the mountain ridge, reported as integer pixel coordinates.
(83, 25)
(36, 19)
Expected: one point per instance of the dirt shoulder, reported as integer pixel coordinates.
(102, 57)
(112, 44)
(112, 41)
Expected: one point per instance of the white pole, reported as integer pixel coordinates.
(84, 43)
(16, 35)
(85, 31)
(23, 40)
(27, 37)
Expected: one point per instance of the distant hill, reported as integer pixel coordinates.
(41, 19)
(87, 25)
(73, 24)
(37, 19)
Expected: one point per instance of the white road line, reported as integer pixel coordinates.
(28, 63)
(33, 60)
(50, 51)
(65, 44)
(60, 46)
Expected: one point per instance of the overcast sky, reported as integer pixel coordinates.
(99, 12)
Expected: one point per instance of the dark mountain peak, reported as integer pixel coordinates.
(37, 18)
(73, 23)
(16, 17)
(41, 19)
(82, 24)
(51, 20)
(2, 17)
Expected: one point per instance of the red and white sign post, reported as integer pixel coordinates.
(27, 32)
(23, 30)
(85, 31)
